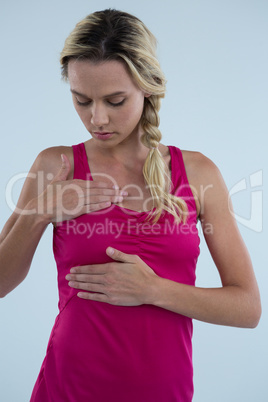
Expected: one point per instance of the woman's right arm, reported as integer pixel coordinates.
(22, 232)
(40, 204)
(19, 240)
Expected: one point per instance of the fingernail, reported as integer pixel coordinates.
(110, 250)
(116, 187)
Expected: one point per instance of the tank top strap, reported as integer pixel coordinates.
(181, 186)
(81, 167)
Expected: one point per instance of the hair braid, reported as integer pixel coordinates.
(155, 170)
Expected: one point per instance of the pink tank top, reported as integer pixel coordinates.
(98, 352)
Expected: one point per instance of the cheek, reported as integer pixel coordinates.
(133, 113)
(139, 108)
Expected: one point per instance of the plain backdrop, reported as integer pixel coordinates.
(214, 56)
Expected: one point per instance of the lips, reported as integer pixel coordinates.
(103, 135)
(102, 132)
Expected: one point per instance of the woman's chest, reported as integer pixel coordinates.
(139, 196)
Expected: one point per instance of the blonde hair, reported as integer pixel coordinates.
(116, 35)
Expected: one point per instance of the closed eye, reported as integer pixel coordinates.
(116, 104)
(110, 103)
(82, 103)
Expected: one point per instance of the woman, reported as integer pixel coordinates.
(124, 209)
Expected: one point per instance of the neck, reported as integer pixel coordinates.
(129, 152)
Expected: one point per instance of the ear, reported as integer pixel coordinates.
(147, 95)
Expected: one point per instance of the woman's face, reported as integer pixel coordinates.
(107, 101)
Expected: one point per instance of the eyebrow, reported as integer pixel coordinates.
(106, 96)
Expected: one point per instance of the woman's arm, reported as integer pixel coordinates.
(23, 231)
(19, 240)
(237, 302)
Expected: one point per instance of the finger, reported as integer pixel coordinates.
(97, 269)
(89, 287)
(104, 191)
(88, 208)
(97, 184)
(64, 169)
(95, 193)
(85, 278)
(100, 297)
(91, 184)
(95, 199)
(119, 255)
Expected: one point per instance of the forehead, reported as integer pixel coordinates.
(107, 76)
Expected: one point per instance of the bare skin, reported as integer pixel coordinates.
(128, 280)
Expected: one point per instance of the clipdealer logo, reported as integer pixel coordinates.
(252, 185)
(255, 188)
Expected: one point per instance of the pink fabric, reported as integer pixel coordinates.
(103, 353)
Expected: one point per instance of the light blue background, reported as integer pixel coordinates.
(214, 55)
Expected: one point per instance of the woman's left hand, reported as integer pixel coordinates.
(127, 281)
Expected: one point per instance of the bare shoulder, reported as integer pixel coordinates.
(49, 160)
(200, 169)
(196, 160)
(43, 170)
(205, 179)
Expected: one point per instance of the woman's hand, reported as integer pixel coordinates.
(67, 199)
(126, 282)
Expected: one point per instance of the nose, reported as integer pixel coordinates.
(99, 116)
